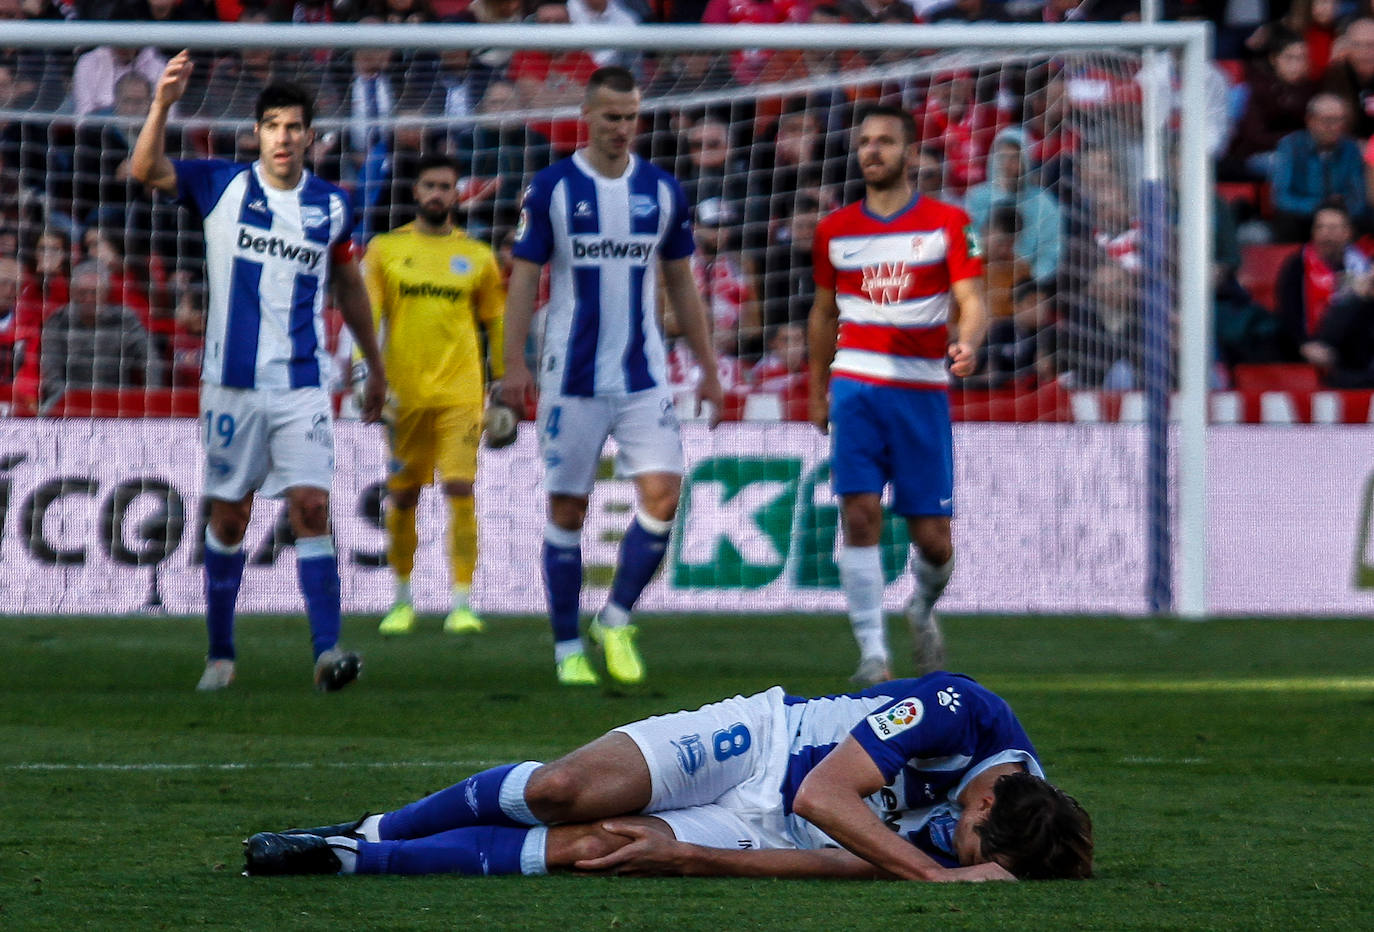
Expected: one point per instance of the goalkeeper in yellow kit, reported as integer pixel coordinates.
(432, 288)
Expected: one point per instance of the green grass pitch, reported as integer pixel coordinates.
(1227, 766)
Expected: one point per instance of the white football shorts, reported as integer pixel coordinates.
(266, 440)
(572, 431)
(717, 772)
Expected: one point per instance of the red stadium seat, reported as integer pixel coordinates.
(127, 402)
(1296, 377)
(1259, 269)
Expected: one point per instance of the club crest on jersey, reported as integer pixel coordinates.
(949, 699)
(893, 721)
(642, 206)
(459, 265)
(313, 216)
(691, 753)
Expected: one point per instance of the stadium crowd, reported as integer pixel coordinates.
(1042, 157)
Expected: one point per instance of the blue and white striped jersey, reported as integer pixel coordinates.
(267, 260)
(929, 737)
(601, 237)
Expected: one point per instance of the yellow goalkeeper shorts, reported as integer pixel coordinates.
(425, 439)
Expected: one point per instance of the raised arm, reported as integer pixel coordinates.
(822, 329)
(149, 163)
(521, 293)
(350, 294)
(690, 311)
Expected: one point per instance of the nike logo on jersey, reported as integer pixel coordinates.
(277, 247)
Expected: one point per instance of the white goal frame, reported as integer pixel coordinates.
(1188, 43)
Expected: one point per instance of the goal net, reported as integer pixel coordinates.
(1063, 497)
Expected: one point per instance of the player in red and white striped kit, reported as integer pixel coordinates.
(889, 270)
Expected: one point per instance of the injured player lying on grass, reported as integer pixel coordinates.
(928, 779)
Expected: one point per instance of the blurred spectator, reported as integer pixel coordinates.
(1103, 342)
(722, 281)
(402, 11)
(129, 286)
(1013, 182)
(1350, 75)
(1343, 348)
(1003, 270)
(1310, 279)
(747, 63)
(40, 75)
(926, 174)
(1320, 166)
(1021, 347)
(1276, 106)
(969, 11)
(710, 170)
(52, 262)
(960, 126)
(687, 73)
(92, 343)
(1316, 22)
(497, 158)
(606, 13)
(102, 188)
(788, 287)
(1116, 226)
(312, 11)
(20, 329)
(93, 81)
(552, 79)
(828, 103)
(458, 85)
(492, 12)
(785, 163)
(783, 370)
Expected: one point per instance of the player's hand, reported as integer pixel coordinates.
(710, 392)
(374, 396)
(515, 384)
(172, 85)
(647, 853)
(962, 359)
(818, 408)
(981, 873)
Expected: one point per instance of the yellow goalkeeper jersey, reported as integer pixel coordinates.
(429, 296)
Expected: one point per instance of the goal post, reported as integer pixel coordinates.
(780, 548)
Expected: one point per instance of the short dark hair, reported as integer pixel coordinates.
(897, 113)
(1005, 218)
(1037, 831)
(612, 78)
(285, 94)
(434, 160)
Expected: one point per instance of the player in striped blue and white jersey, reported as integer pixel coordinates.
(607, 224)
(929, 779)
(277, 238)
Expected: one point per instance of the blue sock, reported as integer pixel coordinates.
(478, 849)
(478, 800)
(641, 554)
(563, 580)
(318, 572)
(223, 574)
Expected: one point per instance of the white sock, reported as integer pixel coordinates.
(930, 579)
(402, 591)
(371, 828)
(613, 616)
(346, 850)
(861, 572)
(460, 598)
(533, 852)
(511, 795)
(565, 649)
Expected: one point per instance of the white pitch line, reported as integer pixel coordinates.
(1295, 684)
(278, 765)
